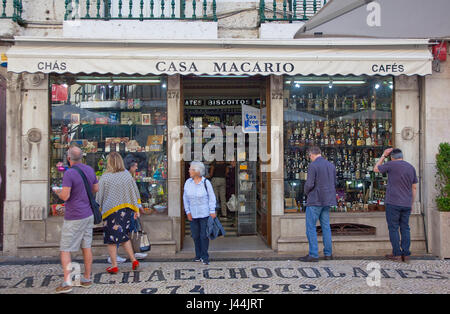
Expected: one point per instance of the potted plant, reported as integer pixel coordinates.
(443, 198)
(443, 177)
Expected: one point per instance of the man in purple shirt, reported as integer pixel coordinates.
(400, 194)
(78, 218)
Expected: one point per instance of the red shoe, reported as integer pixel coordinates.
(135, 265)
(112, 270)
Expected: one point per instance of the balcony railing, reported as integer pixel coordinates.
(11, 9)
(289, 10)
(141, 10)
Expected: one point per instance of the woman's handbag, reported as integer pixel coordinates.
(139, 238)
(94, 205)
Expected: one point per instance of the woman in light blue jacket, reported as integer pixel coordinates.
(199, 204)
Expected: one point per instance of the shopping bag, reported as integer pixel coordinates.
(231, 204)
(139, 238)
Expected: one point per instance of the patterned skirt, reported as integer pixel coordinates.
(116, 227)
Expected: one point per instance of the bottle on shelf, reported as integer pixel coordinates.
(373, 103)
(325, 103)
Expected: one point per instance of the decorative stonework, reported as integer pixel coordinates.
(34, 136)
(33, 212)
(407, 133)
(13, 81)
(35, 81)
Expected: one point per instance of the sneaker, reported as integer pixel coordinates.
(140, 255)
(205, 262)
(119, 259)
(197, 259)
(328, 258)
(64, 288)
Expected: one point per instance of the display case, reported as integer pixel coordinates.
(112, 114)
(246, 189)
(350, 120)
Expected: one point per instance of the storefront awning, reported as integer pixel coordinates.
(221, 57)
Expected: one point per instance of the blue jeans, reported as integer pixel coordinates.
(314, 213)
(201, 241)
(398, 218)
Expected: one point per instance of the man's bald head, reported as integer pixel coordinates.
(75, 154)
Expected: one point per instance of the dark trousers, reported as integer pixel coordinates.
(398, 218)
(201, 241)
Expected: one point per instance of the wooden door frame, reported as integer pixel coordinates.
(269, 149)
(264, 80)
(182, 213)
(2, 154)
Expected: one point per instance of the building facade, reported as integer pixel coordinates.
(157, 83)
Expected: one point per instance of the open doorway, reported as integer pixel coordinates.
(241, 188)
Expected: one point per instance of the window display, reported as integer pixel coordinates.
(112, 114)
(350, 119)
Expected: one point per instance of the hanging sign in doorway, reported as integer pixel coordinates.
(250, 119)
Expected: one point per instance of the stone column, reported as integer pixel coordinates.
(34, 194)
(407, 124)
(174, 166)
(277, 175)
(11, 212)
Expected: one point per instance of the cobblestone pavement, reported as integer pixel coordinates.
(239, 277)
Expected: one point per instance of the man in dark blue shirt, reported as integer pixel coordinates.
(320, 189)
(400, 193)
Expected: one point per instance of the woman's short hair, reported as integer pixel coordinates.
(198, 166)
(114, 163)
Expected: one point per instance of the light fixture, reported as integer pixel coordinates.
(119, 80)
(93, 81)
(328, 82)
(297, 85)
(136, 81)
(377, 86)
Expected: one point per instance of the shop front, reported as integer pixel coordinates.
(250, 108)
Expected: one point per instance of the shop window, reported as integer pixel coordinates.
(350, 119)
(105, 114)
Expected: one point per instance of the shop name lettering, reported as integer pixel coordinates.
(388, 68)
(188, 274)
(52, 66)
(227, 67)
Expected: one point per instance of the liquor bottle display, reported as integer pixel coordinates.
(352, 125)
(130, 119)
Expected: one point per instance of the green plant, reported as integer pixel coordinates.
(443, 177)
